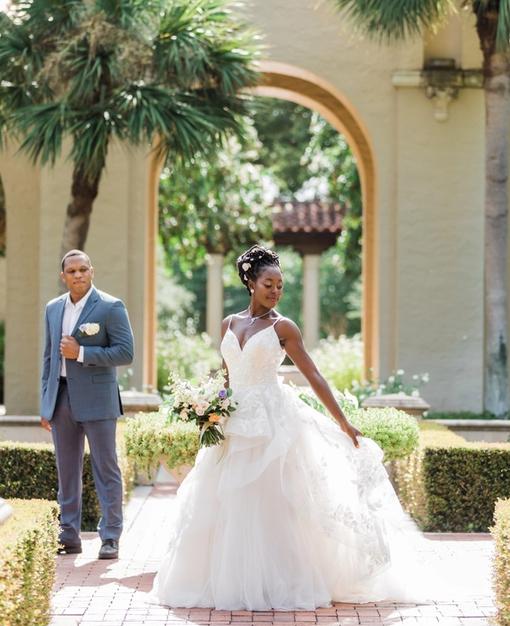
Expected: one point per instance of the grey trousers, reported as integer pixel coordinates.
(69, 438)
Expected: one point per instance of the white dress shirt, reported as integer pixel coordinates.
(71, 314)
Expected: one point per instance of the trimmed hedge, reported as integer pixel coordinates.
(28, 544)
(28, 470)
(501, 572)
(451, 485)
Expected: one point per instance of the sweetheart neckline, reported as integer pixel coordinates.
(241, 348)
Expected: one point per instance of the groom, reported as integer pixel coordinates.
(87, 335)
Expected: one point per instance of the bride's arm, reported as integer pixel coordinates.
(292, 342)
(224, 326)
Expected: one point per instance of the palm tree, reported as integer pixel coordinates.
(165, 73)
(399, 19)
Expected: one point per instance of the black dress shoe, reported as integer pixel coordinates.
(65, 548)
(109, 549)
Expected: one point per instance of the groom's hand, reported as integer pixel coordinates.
(45, 424)
(69, 347)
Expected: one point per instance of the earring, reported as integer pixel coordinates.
(252, 290)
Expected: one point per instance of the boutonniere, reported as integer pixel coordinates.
(89, 329)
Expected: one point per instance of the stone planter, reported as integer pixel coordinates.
(490, 431)
(179, 473)
(412, 405)
(134, 402)
(146, 475)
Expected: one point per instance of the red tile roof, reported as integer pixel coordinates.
(307, 217)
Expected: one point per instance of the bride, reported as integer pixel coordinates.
(294, 510)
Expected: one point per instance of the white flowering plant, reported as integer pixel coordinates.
(207, 404)
(395, 383)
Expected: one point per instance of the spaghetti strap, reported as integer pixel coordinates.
(229, 321)
(277, 320)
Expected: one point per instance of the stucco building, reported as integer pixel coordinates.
(421, 158)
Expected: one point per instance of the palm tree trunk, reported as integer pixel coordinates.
(497, 107)
(83, 193)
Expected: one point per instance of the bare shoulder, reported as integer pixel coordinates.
(227, 321)
(286, 328)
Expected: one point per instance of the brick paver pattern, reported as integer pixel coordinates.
(89, 592)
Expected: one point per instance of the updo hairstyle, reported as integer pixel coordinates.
(251, 263)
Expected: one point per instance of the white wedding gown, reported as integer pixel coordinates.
(287, 513)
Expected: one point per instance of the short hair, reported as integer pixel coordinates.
(72, 253)
(251, 263)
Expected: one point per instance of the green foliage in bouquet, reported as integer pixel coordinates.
(395, 431)
(207, 404)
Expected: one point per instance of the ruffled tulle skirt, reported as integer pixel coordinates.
(288, 515)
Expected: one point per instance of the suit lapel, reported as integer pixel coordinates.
(87, 309)
(58, 319)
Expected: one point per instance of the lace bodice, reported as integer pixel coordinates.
(257, 362)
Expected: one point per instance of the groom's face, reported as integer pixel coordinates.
(77, 276)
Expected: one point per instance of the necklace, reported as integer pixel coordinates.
(257, 317)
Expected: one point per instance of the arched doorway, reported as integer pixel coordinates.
(287, 82)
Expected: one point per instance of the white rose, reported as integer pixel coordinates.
(246, 266)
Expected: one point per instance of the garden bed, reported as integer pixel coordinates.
(501, 574)
(28, 544)
(451, 485)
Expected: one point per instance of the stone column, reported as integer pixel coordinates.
(214, 313)
(311, 299)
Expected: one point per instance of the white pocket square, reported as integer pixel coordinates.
(89, 329)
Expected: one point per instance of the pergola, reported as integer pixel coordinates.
(310, 228)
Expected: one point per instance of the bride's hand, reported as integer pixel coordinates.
(352, 432)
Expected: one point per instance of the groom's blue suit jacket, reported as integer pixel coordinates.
(92, 385)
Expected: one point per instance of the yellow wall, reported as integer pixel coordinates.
(428, 182)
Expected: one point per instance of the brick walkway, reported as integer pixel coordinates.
(114, 593)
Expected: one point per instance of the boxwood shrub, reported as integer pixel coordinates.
(28, 470)
(28, 543)
(451, 485)
(501, 572)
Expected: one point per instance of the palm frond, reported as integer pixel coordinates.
(389, 20)
(131, 15)
(186, 124)
(133, 69)
(201, 43)
(42, 128)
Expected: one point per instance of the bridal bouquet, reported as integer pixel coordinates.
(205, 404)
